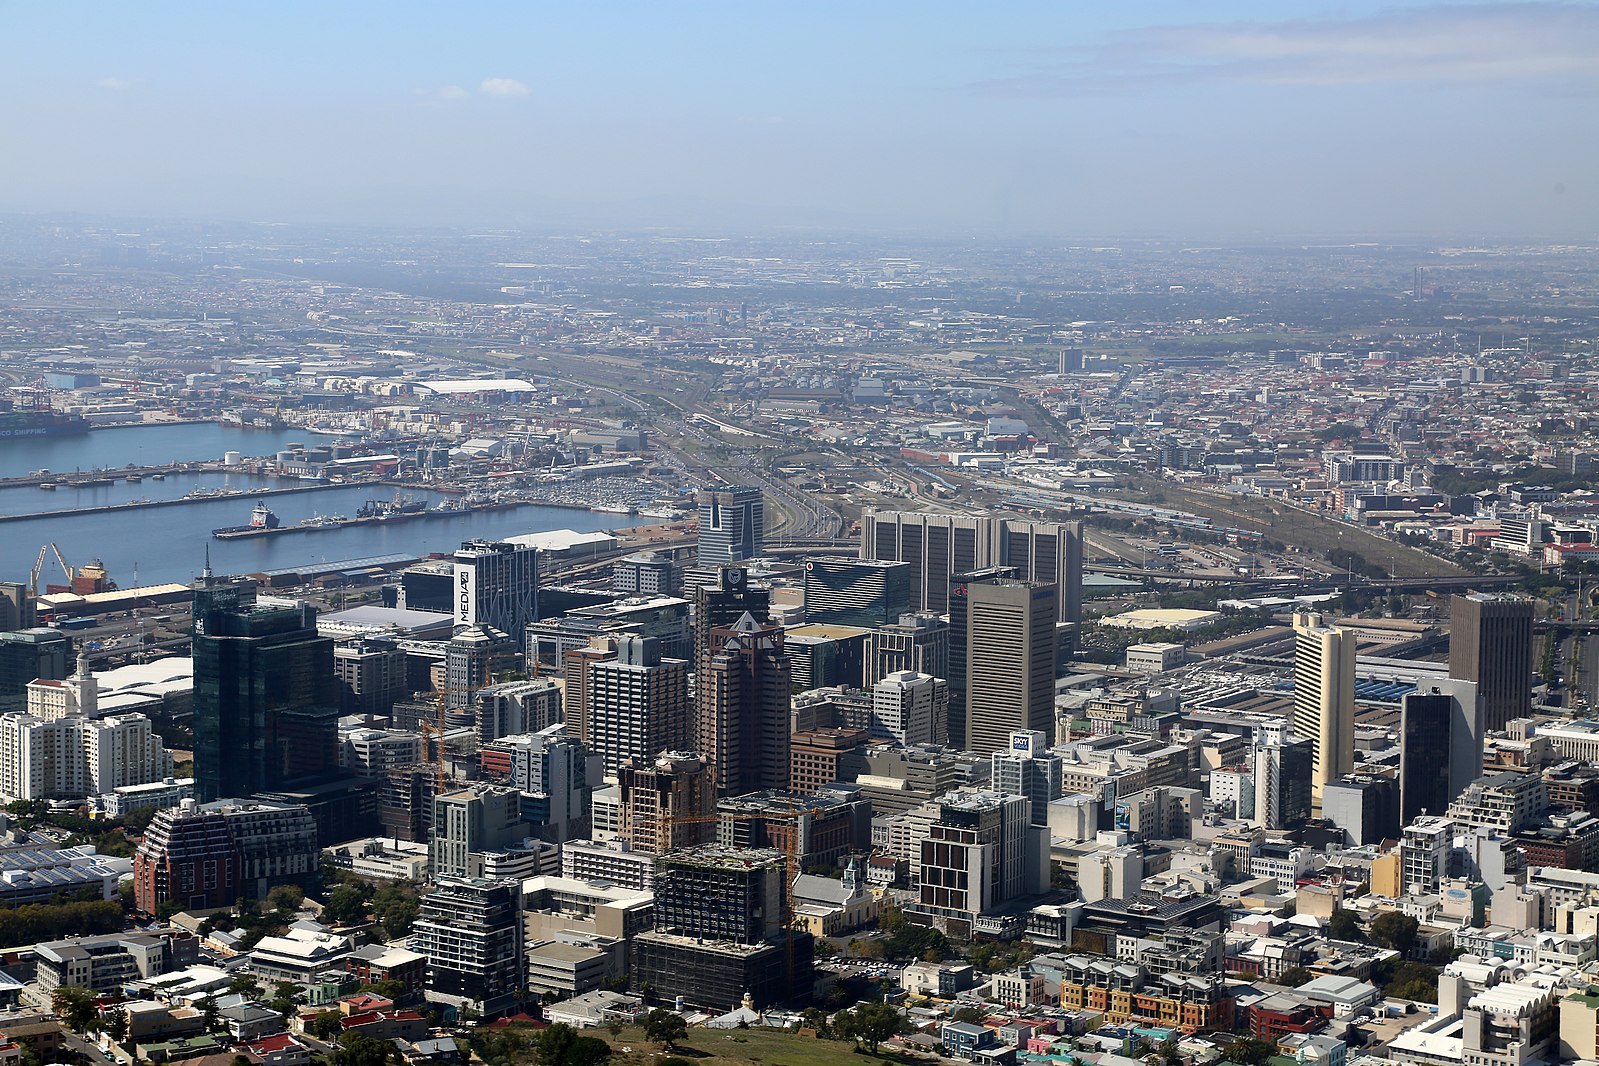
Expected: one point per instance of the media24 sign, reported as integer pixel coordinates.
(465, 594)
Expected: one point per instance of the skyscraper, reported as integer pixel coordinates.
(723, 602)
(744, 707)
(732, 522)
(496, 584)
(638, 704)
(17, 608)
(1490, 643)
(910, 708)
(856, 592)
(266, 702)
(1440, 746)
(1324, 697)
(665, 802)
(1010, 662)
(469, 661)
(1026, 768)
(470, 929)
(938, 547)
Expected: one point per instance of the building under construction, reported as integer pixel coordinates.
(720, 932)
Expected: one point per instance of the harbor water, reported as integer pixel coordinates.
(163, 544)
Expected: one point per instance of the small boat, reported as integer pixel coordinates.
(48, 486)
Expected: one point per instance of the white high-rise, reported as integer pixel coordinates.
(1324, 698)
(908, 707)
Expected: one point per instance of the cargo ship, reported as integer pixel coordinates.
(38, 419)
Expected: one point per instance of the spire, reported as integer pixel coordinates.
(205, 575)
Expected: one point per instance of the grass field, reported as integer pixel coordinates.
(1298, 529)
(743, 1047)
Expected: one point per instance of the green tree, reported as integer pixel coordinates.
(210, 1014)
(561, 1045)
(1170, 1054)
(286, 899)
(346, 903)
(74, 1005)
(869, 1024)
(1295, 976)
(1343, 925)
(815, 1018)
(356, 1050)
(1249, 1051)
(969, 1015)
(246, 985)
(324, 1024)
(665, 1028)
(1390, 929)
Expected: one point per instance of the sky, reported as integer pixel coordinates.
(1224, 120)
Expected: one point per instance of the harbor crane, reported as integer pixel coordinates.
(38, 567)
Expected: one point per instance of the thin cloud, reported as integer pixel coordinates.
(1489, 44)
(453, 92)
(116, 85)
(503, 87)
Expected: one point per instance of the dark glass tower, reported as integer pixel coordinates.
(265, 696)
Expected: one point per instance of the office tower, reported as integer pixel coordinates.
(16, 607)
(646, 573)
(515, 707)
(731, 524)
(938, 547)
(743, 712)
(470, 658)
(1009, 662)
(371, 676)
(719, 932)
(1490, 644)
(266, 705)
(1324, 698)
(856, 592)
(638, 704)
(1071, 361)
(470, 930)
(910, 708)
(722, 603)
(471, 821)
(980, 853)
(918, 642)
(667, 802)
(556, 776)
(1440, 746)
(496, 584)
(1283, 771)
(1026, 768)
(208, 855)
(819, 757)
(30, 655)
(959, 634)
(1424, 854)
(823, 656)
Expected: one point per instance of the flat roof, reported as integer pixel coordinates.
(464, 386)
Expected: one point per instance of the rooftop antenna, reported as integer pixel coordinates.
(205, 575)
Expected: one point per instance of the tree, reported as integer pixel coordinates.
(560, 1045)
(969, 1015)
(116, 1026)
(346, 903)
(210, 1014)
(816, 1019)
(1295, 976)
(1249, 1051)
(357, 1050)
(1390, 929)
(74, 1005)
(324, 1024)
(1343, 925)
(246, 985)
(665, 1028)
(286, 899)
(869, 1024)
(1169, 1052)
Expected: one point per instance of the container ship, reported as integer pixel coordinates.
(36, 419)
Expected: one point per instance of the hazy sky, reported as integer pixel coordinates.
(1216, 119)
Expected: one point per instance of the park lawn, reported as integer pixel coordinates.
(742, 1047)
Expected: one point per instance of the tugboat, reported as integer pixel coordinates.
(262, 520)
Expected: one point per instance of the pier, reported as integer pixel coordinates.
(139, 505)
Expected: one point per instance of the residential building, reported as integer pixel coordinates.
(981, 853)
(212, 854)
(471, 821)
(470, 930)
(638, 704)
(516, 707)
(556, 776)
(371, 676)
(646, 573)
(667, 802)
(1283, 770)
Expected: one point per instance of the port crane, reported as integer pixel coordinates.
(38, 567)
